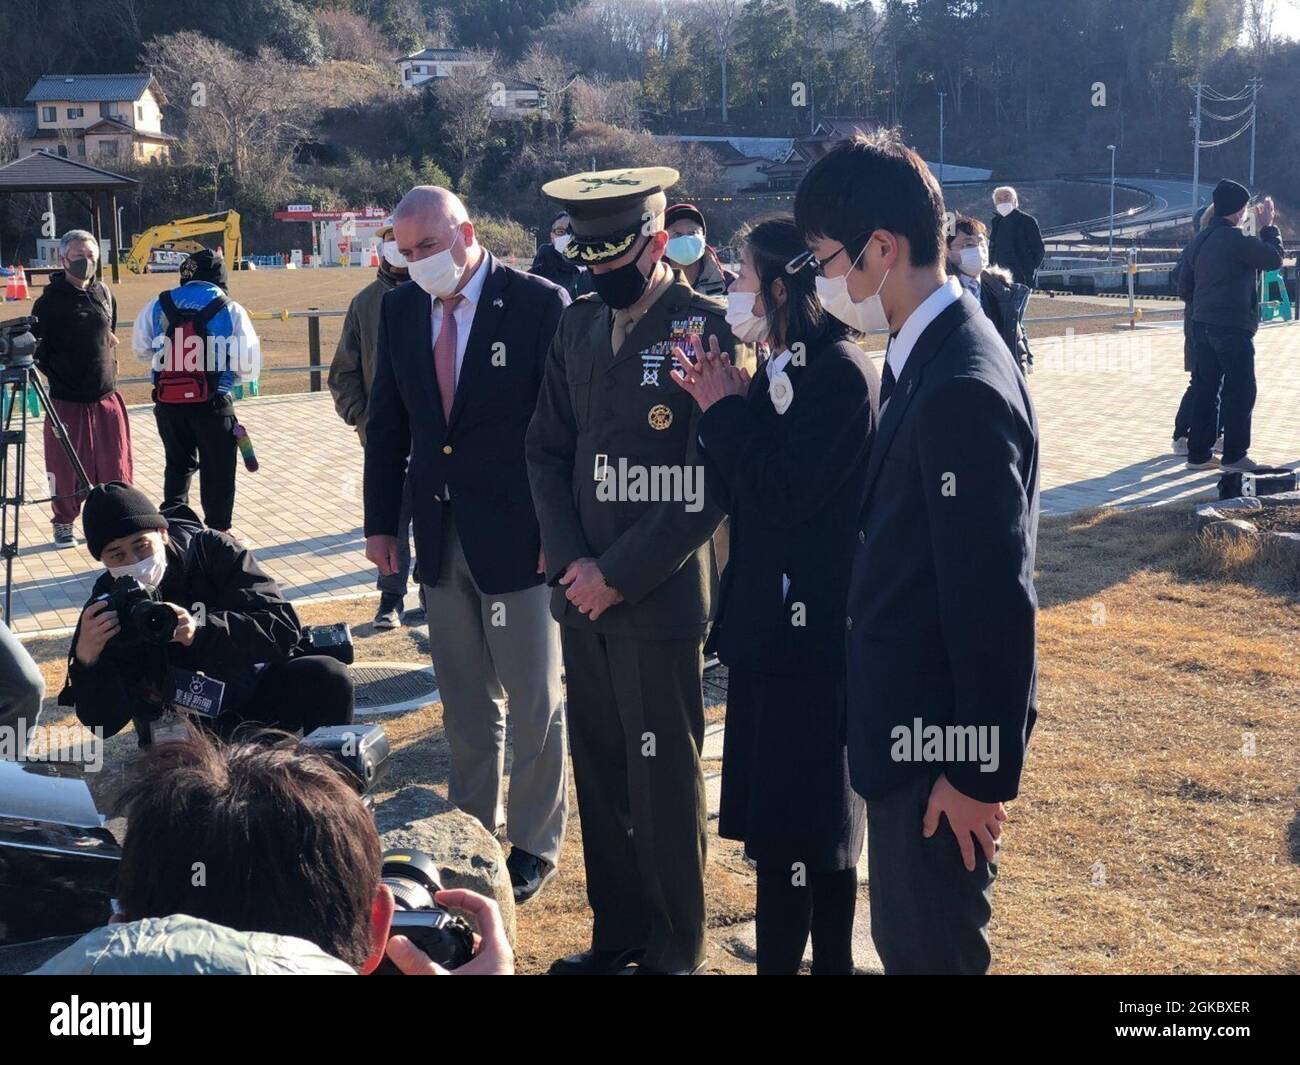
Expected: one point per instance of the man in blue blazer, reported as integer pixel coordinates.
(457, 372)
(941, 608)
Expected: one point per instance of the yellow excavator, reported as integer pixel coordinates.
(173, 236)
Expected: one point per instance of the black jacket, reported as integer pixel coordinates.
(793, 485)
(556, 269)
(1220, 277)
(941, 606)
(1016, 243)
(479, 455)
(246, 621)
(76, 353)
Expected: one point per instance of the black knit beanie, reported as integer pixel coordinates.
(114, 510)
(1229, 197)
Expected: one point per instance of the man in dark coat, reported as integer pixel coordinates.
(1014, 238)
(234, 638)
(550, 263)
(941, 608)
(613, 455)
(1221, 280)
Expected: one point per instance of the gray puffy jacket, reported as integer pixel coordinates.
(181, 945)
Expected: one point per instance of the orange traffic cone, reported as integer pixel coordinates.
(11, 287)
(374, 257)
(23, 292)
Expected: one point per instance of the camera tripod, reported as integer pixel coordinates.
(16, 376)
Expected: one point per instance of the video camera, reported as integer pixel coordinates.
(141, 614)
(17, 342)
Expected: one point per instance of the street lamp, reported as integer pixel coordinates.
(1110, 250)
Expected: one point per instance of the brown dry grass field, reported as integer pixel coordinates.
(284, 343)
(1148, 838)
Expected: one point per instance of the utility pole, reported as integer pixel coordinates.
(1254, 100)
(1196, 154)
(1110, 249)
(941, 96)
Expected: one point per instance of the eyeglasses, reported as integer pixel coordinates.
(559, 231)
(807, 258)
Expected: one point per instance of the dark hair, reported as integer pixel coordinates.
(869, 182)
(257, 836)
(972, 227)
(772, 243)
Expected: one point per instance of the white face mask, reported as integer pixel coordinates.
(974, 260)
(562, 241)
(1004, 208)
(437, 274)
(148, 571)
(865, 317)
(392, 256)
(740, 316)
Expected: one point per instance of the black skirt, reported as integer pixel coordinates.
(785, 773)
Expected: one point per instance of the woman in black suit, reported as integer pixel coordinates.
(786, 455)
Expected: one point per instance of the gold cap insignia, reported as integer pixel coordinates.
(660, 417)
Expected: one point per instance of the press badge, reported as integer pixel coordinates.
(196, 693)
(168, 727)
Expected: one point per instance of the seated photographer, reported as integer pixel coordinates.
(235, 812)
(201, 627)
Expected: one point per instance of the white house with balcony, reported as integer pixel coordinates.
(96, 117)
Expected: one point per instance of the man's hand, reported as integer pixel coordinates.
(381, 549)
(1265, 212)
(98, 626)
(492, 953)
(112, 340)
(967, 817)
(187, 626)
(709, 375)
(587, 589)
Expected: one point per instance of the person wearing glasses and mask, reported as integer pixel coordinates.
(689, 251)
(786, 456)
(626, 517)
(941, 660)
(550, 263)
(77, 328)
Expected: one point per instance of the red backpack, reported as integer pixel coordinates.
(175, 383)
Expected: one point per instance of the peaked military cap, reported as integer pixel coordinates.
(608, 208)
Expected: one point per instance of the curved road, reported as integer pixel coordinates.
(1169, 204)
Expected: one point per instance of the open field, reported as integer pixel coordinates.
(1157, 828)
(284, 343)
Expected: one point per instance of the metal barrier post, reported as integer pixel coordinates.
(313, 348)
(1132, 284)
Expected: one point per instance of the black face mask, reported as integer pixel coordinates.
(622, 287)
(81, 269)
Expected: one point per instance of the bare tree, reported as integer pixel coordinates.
(465, 98)
(611, 103)
(11, 136)
(247, 114)
(553, 78)
(1260, 17)
(722, 16)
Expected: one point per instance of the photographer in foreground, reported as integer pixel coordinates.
(228, 650)
(198, 804)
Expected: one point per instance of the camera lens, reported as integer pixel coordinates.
(155, 622)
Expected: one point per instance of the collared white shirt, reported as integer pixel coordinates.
(464, 312)
(930, 309)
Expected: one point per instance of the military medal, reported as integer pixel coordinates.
(660, 417)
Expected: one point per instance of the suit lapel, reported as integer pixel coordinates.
(926, 347)
(482, 333)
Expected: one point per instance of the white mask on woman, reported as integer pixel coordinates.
(392, 256)
(562, 241)
(973, 260)
(746, 328)
(865, 317)
(148, 571)
(438, 274)
(1004, 208)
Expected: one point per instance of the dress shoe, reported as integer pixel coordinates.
(595, 963)
(645, 970)
(527, 873)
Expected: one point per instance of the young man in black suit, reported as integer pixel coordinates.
(941, 606)
(458, 368)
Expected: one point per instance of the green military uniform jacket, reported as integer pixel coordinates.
(598, 411)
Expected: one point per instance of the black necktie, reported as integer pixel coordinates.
(887, 382)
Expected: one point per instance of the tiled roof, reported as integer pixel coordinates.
(90, 88)
(41, 171)
(445, 55)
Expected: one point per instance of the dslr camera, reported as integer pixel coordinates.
(142, 616)
(413, 879)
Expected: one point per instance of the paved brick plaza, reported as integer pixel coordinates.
(1105, 405)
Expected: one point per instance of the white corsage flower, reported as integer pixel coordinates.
(781, 390)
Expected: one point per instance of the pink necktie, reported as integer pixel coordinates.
(444, 354)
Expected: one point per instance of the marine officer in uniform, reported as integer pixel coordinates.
(617, 479)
